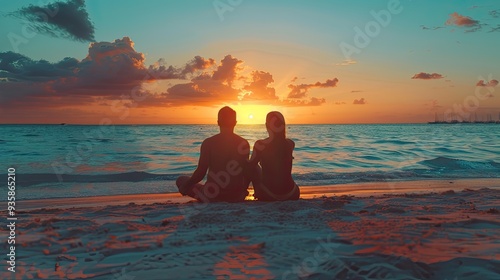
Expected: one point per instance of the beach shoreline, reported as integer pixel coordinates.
(307, 192)
(402, 230)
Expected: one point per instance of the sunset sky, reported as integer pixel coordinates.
(162, 62)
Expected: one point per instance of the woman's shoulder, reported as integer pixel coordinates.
(263, 141)
(290, 142)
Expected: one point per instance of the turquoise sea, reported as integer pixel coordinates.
(87, 160)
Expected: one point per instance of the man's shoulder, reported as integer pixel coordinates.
(211, 138)
(235, 138)
(208, 141)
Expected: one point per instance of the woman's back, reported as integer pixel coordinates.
(273, 179)
(276, 161)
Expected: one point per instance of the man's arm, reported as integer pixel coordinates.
(202, 168)
(255, 158)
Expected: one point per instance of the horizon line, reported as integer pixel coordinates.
(215, 124)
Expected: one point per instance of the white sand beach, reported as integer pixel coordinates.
(399, 230)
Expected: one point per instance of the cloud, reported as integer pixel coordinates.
(160, 69)
(198, 63)
(218, 87)
(60, 19)
(116, 62)
(355, 91)
(313, 101)
(18, 67)
(427, 76)
(340, 103)
(259, 89)
(199, 92)
(300, 91)
(491, 83)
(431, 28)
(226, 71)
(347, 62)
(110, 70)
(459, 20)
(360, 101)
(495, 29)
(113, 71)
(205, 89)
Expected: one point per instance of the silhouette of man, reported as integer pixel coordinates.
(224, 155)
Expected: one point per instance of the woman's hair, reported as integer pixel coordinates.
(275, 124)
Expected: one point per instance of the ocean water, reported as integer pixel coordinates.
(80, 160)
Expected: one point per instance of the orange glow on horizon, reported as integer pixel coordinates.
(252, 114)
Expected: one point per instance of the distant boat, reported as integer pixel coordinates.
(489, 120)
(63, 123)
(436, 120)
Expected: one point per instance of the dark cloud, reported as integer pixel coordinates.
(161, 70)
(491, 83)
(109, 70)
(495, 29)
(360, 101)
(226, 71)
(427, 76)
(108, 64)
(18, 67)
(198, 63)
(116, 63)
(112, 70)
(60, 19)
(300, 91)
(431, 28)
(200, 92)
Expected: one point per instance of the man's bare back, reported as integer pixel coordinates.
(228, 154)
(224, 156)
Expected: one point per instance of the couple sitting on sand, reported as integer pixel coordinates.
(225, 156)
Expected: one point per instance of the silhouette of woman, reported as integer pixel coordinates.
(272, 180)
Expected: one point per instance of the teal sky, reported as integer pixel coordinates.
(302, 39)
